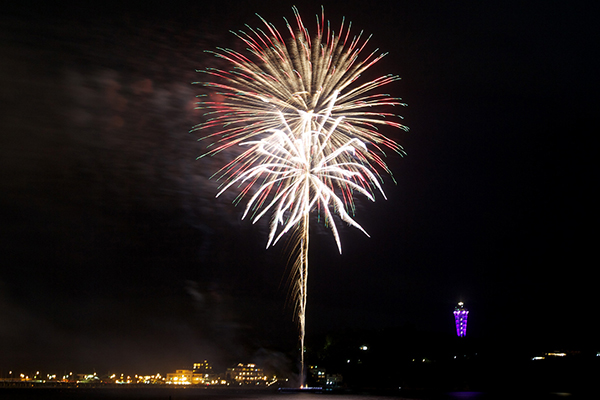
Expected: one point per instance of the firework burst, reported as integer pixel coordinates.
(308, 128)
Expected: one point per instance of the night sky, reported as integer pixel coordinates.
(115, 255)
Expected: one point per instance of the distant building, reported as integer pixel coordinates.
(248, 374)
(460, 318)
(201, 375)
(181, 377)
(202, 368)
(334, 380)
(318, 375)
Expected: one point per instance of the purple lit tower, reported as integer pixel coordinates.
(460, 317)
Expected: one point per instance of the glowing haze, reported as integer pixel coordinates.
(308, 129)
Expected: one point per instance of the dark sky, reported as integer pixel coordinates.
(116, 255)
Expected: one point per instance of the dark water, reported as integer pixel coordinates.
(203, 394)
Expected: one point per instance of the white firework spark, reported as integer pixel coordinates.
(309, 127)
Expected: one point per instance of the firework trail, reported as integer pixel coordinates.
(308, 129)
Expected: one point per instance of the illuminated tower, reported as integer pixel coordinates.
(460, 317)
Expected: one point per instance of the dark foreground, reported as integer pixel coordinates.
(170, 393)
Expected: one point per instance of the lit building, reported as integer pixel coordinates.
(201, 375)
(181, 377)
(202, 368)
(334, 380)
(317, 374)
(321, 378)
(246, 374)
(460, 318)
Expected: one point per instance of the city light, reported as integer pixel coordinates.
(201, 375)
